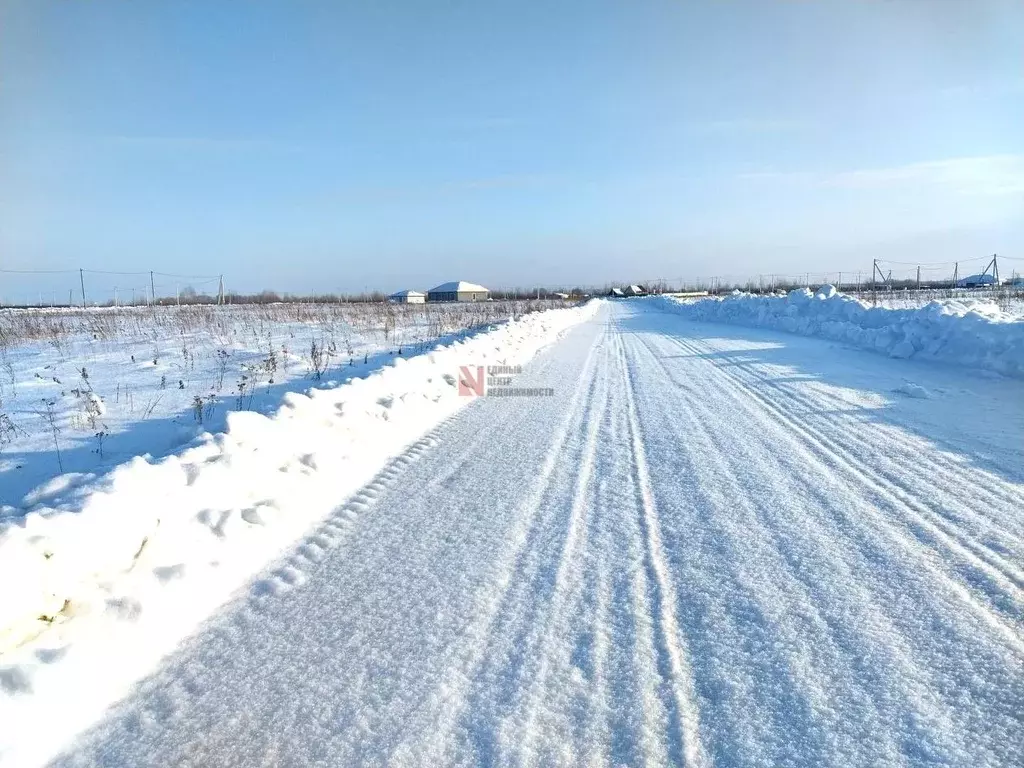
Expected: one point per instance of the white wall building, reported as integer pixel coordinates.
(458, 291)
(408, 297)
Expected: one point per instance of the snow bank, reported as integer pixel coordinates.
(970, 334)
(102, 576)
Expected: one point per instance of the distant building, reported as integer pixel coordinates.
(629, 290)
(976, 281)
(458, 291)
(559, 295)
(407, 297)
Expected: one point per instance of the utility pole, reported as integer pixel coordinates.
(177, 295)
(220, 291)
(71, 296)
(956, 273)
(874, 285)
(919, 277)
(152, 288)
(81, 279)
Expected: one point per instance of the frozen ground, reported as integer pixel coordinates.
(712, 545)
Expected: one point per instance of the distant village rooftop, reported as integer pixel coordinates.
(407, 297)
(459, 286)
(458, 290)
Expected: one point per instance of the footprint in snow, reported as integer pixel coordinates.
(916, 391)
(15, 679)
(124, 608)
(169, 572)
(51, 655)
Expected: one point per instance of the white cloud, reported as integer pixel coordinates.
(981, 175)
(986, 175)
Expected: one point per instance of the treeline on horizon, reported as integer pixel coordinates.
(711, 286)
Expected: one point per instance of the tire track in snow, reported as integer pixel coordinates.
(632, 685)
(913, 538)
(568, 575)
(747, 600)
(943, 645)
(856, 440)
(534, 665)
(597, 727)
(998, 567)
(675, 644)
(860, 474)
(447, 711)
(792, 605)
(571, 719)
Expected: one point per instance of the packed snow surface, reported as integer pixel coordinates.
(972, 334)
(111, 572)
(709, 545)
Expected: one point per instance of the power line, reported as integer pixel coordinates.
(38, 271)
(934, 263)
(102, 272)
(184, 277)
(106, 272)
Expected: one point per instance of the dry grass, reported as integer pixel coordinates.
(374, 320)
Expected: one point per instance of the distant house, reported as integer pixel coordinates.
(407, 297)
(976, 281)
(458, 291)
(635, 290)
(616, 293)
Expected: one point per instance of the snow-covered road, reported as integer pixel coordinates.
(711, 545)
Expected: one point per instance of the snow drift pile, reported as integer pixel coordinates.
(104, 575)
(970, 334)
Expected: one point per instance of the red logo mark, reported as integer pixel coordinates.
(468, 386)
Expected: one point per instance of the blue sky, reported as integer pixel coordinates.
(321, 145)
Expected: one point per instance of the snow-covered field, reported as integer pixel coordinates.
(706, 544)
(1009, 298)
(1011, 304)
(959, 332)
(84, 390)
